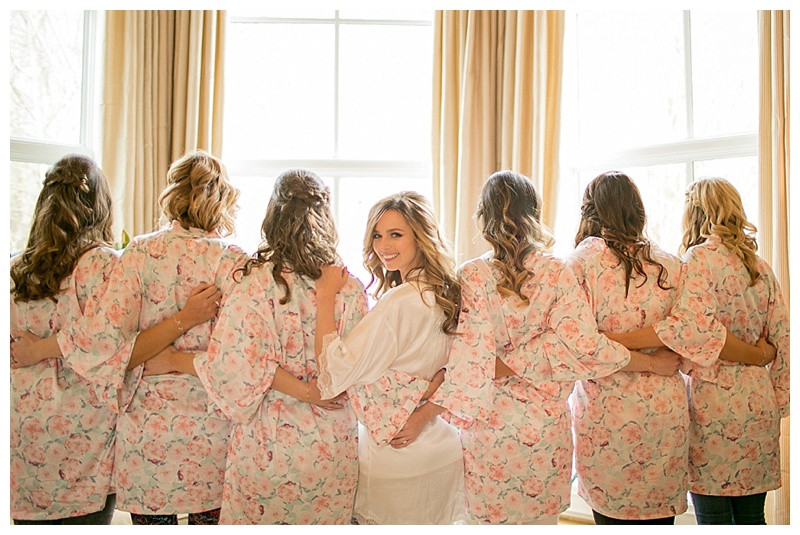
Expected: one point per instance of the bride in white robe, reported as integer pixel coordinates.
(385, 365)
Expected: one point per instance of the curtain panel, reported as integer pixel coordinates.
(162, 96)
(773, 34)
(496, 104)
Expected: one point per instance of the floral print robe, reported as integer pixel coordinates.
(289, 462)
(516, 431)
(170, 455)
(631, 428)
(61, 431)
(735, 409)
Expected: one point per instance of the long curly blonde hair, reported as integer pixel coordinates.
(73, 214)
(199, 194)
(298, 232)
(437, 271)
(612, 209)
(509, 216)
(713, 206)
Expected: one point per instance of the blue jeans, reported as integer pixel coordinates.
(729, 509)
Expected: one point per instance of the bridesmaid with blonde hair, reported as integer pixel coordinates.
(730, 299)
(165, 289)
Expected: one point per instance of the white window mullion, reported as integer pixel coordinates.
(687, 54)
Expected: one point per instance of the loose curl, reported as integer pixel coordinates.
(73, 214)
(713, 206)
(509, 216)
(199, 194)
(613, 210)
(437, 271)
(298, 233)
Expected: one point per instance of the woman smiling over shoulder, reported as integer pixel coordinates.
(388, 360)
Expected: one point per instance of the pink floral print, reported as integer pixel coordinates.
(161, 467)
(631, 428)
(61, 431)
(515, 431)
(735, 408)
(289, 462)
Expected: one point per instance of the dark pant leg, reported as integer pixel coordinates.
(154, 520)
(101, 517)
(712, 509)
(206, 518)
(749, 509)
(602, 520)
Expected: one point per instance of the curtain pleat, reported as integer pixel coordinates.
(162, 97)
(497, 84)
(774, 186)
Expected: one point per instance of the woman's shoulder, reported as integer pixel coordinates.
(97, 257)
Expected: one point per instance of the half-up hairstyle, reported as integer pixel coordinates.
(437, 271)
(713, 206)
(298, 233)
(199, 194)
(613, 210)
(73, 214)
(509, 216)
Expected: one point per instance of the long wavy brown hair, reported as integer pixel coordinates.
(714, 206)
(72, 215)
(613, 210)
(509, 216)
(437, 271)
(298, 232)
(199, 194)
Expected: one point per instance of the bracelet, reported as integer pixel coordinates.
(308, 393)
(178, 323)
(763, 356)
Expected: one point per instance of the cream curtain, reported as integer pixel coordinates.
(497, 85)
(162, 96)
(774, 180)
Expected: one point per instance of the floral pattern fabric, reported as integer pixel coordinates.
(735, 408)
(631, 428)
(61, 431)
(515, 431)
(170, 454)
(289, 462)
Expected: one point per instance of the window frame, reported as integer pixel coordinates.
(686, 151)
(38, 151)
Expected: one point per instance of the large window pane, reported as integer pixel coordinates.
(631, 79)
(386, 14)
(254, 194)
(25, 184)
(742, 173)
(45, 70)
(385, 92)
(724, 72)
(282, 77)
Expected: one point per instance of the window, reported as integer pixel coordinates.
(52, 80)
(345, 94)
(666, 97)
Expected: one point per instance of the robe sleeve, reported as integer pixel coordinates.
(468, 388)
(692, 330)
(101, 344)
(572, 347)
(777, 334)
(243, 355)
